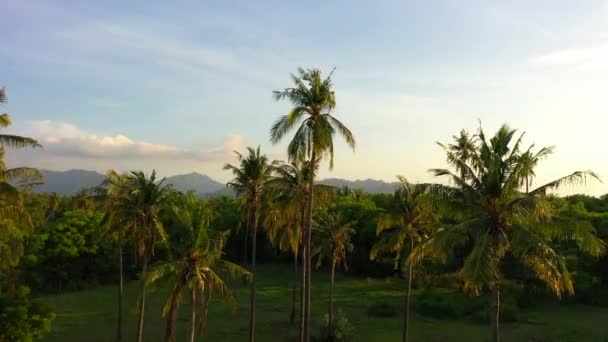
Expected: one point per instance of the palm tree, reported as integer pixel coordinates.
(529, 161)
(506, 220)
(461, 150)
(334, 234)
(250, 179)
(140, 209)
(11, 200)
(313, 100)
(284, 222)
(197, 269)
(404, 226)
(7, 176)
(114, 193)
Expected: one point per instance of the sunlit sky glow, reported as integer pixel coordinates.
(177, 86)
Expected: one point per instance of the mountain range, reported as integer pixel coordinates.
(71, 181)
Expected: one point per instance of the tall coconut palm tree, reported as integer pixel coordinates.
(313, 101)
(141, 210)
(506, 221)
(289, 188)
(406, 224)
(114, 193)
(333, 234)
(198, 268)
(250, 179)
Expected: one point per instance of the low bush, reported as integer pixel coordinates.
(444, 303)
(342, 329)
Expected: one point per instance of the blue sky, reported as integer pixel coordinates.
(177, 86)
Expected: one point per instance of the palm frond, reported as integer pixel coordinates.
(575, 178)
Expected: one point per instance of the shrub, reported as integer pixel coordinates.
(442, 303)
(342, 329)
(382, 310)
(22, 319)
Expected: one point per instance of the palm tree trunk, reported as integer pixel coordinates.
(292, 315)
(246, 238)
(120, 291)
(303, 271)
(408, 291)
(205, 305)
(307, 247)
(496, 311)
(253, 252)
(142, 301)
(171, 320)
(193, 316)
(330, 332)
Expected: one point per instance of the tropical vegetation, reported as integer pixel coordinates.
(483, 244)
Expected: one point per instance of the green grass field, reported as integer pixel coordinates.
(90, 315)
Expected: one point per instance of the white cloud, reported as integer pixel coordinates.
(68, 140)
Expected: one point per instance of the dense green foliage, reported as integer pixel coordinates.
(23, 319)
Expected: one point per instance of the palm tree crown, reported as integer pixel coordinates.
(410, 217)
(313, 100)
(333, 234)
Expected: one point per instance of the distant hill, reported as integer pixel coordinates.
(367, 185)
(71, 181)
(202, 185)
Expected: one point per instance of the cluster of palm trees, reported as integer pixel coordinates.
(490, 187)
(292, 185)
(133, 204)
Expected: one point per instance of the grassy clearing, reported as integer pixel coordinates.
(90, 315)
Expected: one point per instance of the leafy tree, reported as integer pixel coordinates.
(406, 224)
(67, 251)
(313, 101)
(506, 220)
(197, 269)
(334, 242)
(250, 179)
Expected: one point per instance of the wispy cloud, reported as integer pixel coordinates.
(132, 47)
(589, 58)
(68, 140)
